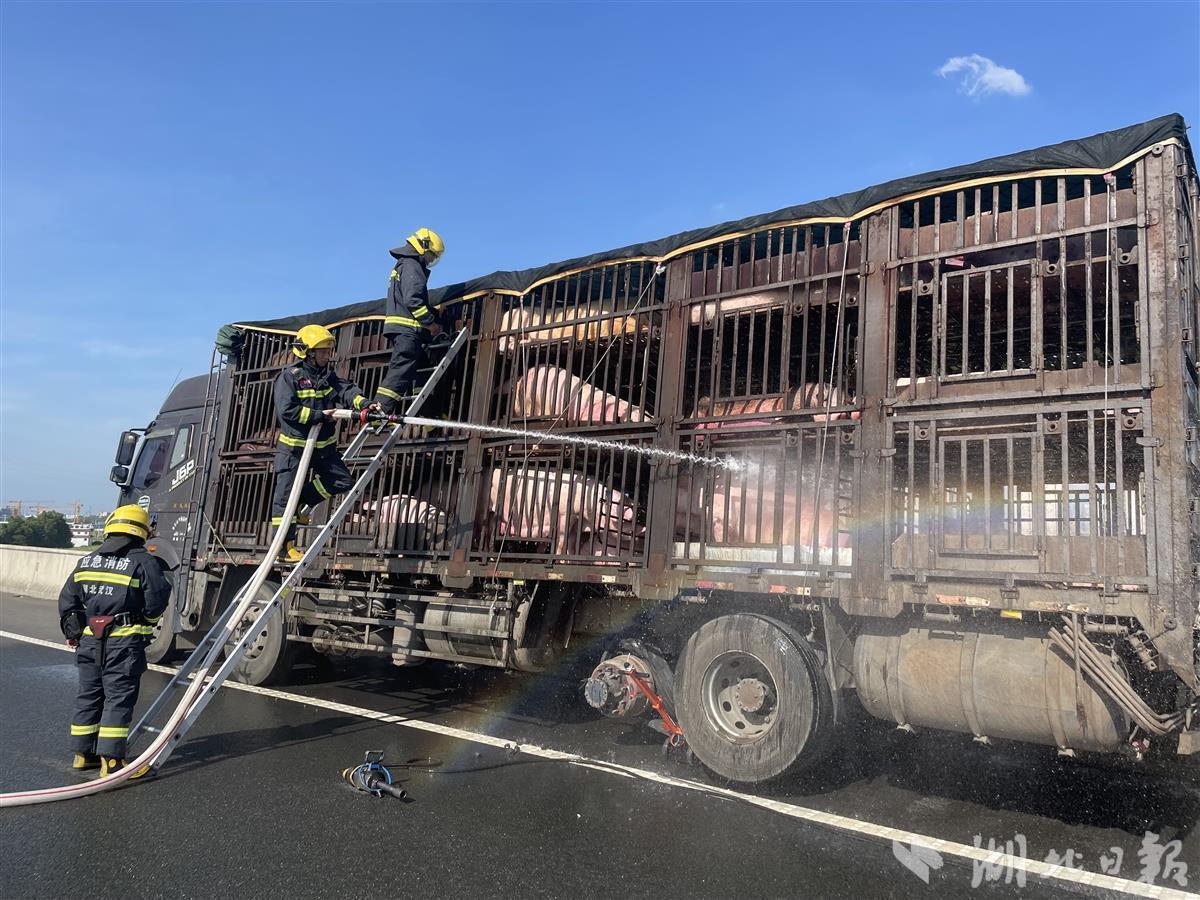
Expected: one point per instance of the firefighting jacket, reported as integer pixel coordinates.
(408, 293)
(119, 577)
(302, 394)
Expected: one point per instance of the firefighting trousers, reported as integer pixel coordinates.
(329, 477)
(110, 673)
(407, 354)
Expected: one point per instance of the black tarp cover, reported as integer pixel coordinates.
(1093, 155)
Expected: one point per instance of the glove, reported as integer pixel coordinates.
(372, 412)
(72, 624)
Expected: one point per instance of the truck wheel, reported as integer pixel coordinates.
(161, 648)
(753, 699)
(270, 655)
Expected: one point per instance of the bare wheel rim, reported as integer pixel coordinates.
(740, 697)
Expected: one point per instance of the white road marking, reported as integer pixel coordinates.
(815, 816)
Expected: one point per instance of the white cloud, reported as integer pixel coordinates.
(981, 76)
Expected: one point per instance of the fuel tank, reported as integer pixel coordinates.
(991, 683)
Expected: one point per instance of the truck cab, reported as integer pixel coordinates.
(156, 467)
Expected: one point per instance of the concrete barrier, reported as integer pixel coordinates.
(35, 571)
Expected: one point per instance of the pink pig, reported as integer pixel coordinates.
(811, 396)
(548, 391)
(420, 524)
(736, 509)
(541, 505)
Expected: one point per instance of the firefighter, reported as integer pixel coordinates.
(107, 610)
(305, 394)
(408, 315)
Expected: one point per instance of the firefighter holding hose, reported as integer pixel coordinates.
(107, 610)
(306, 394)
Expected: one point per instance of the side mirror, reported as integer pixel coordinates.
(125, 448)
(119, 475)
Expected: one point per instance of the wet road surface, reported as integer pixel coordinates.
(253, 803)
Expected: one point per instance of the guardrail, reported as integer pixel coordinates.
(35, 571)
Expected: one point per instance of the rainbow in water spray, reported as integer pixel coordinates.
(731, 465)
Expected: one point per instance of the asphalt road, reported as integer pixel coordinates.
(519, 791)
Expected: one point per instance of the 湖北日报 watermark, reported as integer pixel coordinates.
(1157, 861)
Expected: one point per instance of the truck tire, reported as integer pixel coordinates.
(753, 700)
(270, 655)
(161, 647)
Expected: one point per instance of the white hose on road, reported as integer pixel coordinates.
(244, 600)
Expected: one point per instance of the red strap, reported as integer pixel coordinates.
(674, 732)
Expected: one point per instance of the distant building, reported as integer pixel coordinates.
(83, 534)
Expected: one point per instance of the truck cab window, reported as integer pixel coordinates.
(183, 441)
(152, 461)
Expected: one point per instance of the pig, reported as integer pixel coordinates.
(810, 396)
(548, 391)
(563, 508)
(818, 395)
(728, 409)
(540, 326)
(706, 313)
(709, 311)
(746, 509)
(419, 525)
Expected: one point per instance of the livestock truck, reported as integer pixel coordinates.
(938, 459)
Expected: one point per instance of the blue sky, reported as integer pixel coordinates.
(167, 168)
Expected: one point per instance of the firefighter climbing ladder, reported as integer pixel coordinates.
(193, 679)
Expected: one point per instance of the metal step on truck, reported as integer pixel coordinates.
(934, 454)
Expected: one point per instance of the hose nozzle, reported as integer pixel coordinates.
(372, 777)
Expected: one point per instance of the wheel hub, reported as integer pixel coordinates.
(258, 643)
(739, 696)
(750, 694)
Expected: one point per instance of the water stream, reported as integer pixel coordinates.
(534, 436)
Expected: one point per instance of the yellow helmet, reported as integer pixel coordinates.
(312, 337)
(429, 244)
(131, 520)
